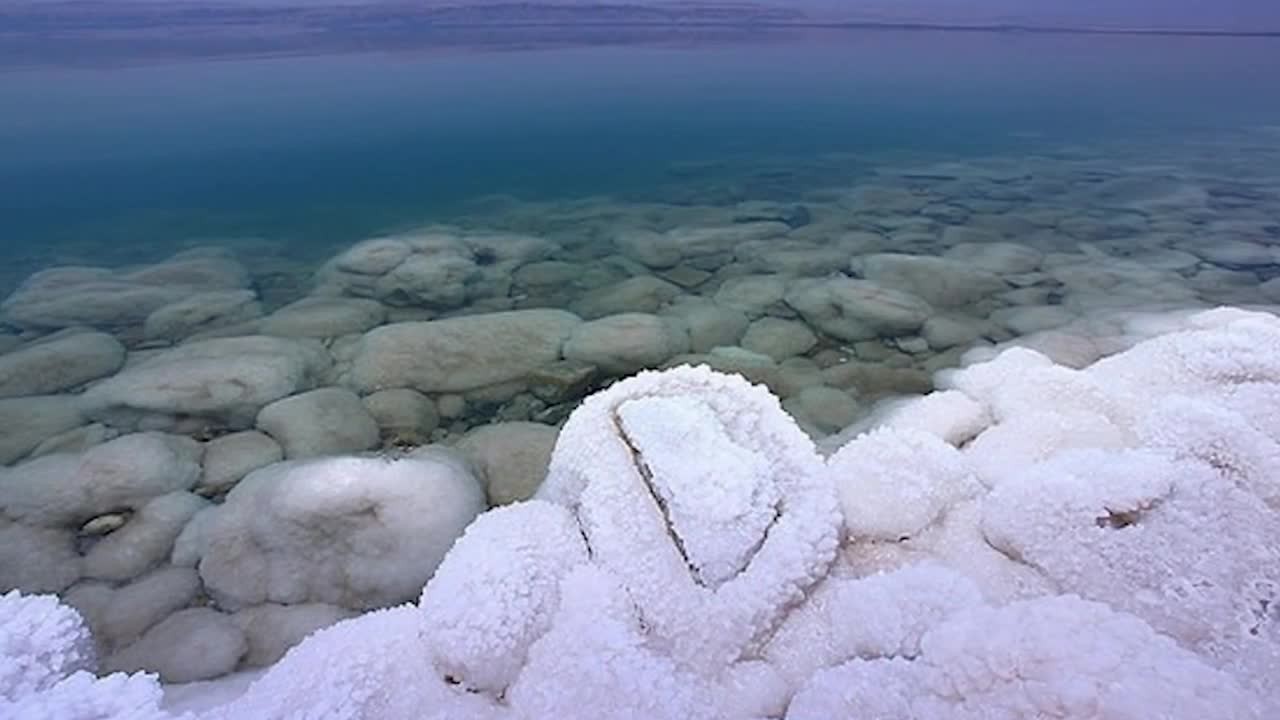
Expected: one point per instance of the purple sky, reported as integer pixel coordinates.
(1224, 14)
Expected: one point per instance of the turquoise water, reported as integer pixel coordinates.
(332, 148)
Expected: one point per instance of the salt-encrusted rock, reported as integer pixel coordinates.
(202, 313)
(96, 297)
(144, 541)
(938, 281)
(822, 409)
(355, 532)
(403, 413)
(55, 365)
(272, 629)
(461, 353)
(37, 559)
(711, 241)
(127, 612)
(511, 458)
(851, 309)
(686, 469)
(189, 645)
(322, 317)
(1001, 258)
(1010, 657)
(126, 473)
(752, 294)
(894, 483)
(710, 325)
(374, 257)
(41, 642)
(643, 294)
(29, 421)
(229, 458)
(222, 382)
(328, 421)
(550, 275)
(622, 344)
(497, 590)
(778, 338)
(796, 260)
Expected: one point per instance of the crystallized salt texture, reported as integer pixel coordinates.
(1007, 663)
(41, 642)
(895, 483)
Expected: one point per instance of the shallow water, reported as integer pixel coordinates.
(836, 215)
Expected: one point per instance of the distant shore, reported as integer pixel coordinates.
(83, 33)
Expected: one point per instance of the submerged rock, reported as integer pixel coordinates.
(55, 365)
(511, 458)
(328, 421)
(220, 383)
(461, 353)
(854, 310)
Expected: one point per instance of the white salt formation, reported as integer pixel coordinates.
(1034, 540)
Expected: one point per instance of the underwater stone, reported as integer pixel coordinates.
(222, 382)
(403, 414)
(29, 421)
(564, 380)
(852, 310)
(622, 344)
(938, 281)
(327, 421)
(778, 338)
(189, 645)
(54, 365)
(511, 458)
(145, 540)
(462, 353)
(202, 313)
(710, 325)
(644, 294)
(229, 458)
(322, 317)
(272, 629)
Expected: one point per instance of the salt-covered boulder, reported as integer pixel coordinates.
(371, 666)
(510, 458)
(328, 421)
(41, 642)
(29, 421)
(189, 645)
(220, 383)
(854, 310)
(324, 317)
(59, 364)
(353, 532)
(1007, 662)
(686, 468)
(894, 483)
(649, 248)
(1001, 258)
(461, 353)
(941, 282)
(496, 592)
(202, 313)
(623, 344)
(229, 458)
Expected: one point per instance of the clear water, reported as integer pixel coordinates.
(328, 149)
